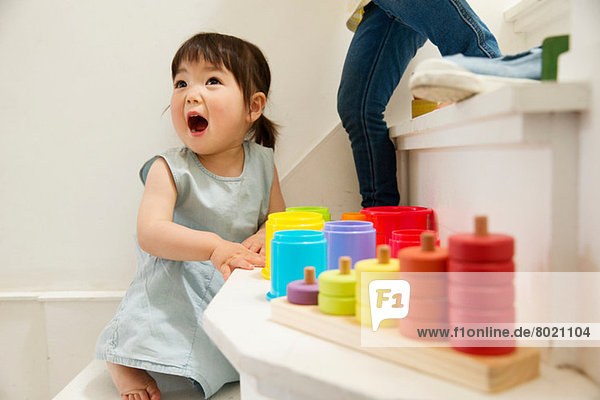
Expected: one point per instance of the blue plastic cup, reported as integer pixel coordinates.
(355, 239)
(291, 251)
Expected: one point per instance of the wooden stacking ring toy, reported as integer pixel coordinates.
(304, 291)
(336, 294)
(387, 268)
(481, 246)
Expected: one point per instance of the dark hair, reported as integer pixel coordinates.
(247, 64)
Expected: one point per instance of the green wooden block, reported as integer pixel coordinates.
(552, 47)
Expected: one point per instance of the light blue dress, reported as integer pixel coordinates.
(158, 326)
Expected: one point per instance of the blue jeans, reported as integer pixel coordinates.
(386, 40)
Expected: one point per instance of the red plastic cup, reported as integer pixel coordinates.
(391, 218)
(402, 238)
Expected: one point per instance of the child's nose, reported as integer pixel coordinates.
(194, 97)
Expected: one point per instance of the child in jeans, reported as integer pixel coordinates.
(387, 34)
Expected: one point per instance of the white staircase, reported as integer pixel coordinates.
(522, 156)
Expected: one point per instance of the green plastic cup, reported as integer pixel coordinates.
(320, 210)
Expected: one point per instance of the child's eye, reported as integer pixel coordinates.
(180, 84)
(213, 81)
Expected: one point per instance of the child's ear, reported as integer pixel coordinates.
(257, 105)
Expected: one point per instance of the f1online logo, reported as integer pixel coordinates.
(388, 299)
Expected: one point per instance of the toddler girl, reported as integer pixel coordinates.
(201, 216)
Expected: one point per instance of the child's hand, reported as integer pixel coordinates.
(256, 242)
(228, 256)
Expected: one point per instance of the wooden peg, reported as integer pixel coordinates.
(481, 226)
(383, 254)
(427, 241)
(345, 265)
(309, 275)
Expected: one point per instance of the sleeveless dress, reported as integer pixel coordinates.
(158, 325)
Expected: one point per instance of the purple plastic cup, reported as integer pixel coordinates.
(355, 239)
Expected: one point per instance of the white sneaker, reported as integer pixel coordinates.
(444, 80)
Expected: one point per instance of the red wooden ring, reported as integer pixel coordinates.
(467, 315)
(481, 297)
(490, 248)
(430, 309)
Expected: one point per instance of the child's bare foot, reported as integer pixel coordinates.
(133, 383)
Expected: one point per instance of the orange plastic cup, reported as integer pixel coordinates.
(353, 216)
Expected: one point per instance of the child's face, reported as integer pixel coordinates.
(208, 109)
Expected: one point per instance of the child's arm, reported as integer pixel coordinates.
(256, 242)
(160, 236)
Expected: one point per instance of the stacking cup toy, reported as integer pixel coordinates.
(480, 286)
(291, 251)
(424, 268)
(353, 216)
(355, 239)
(402, 238)
(324, 211)
(390, 218)
(304, 291)
(383, 263)
(336, 289)
(287, 221)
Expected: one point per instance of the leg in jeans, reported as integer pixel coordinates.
(377, 57)
(386, 40)
(449, 24)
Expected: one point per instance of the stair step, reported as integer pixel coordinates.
(94, 383)
(492, 112)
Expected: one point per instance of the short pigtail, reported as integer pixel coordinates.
(265, 132)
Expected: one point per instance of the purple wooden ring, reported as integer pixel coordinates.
(299, 292)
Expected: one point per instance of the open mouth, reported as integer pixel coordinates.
(197, 123)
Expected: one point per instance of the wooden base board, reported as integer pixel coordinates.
(485, 373)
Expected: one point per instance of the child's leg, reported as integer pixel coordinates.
(377, 57)
(451, 25)
(133, 383)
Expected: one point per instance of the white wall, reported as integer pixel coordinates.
(82, 88)
(582, 63)
(24, 351)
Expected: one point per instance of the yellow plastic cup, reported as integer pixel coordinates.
(324, 211)
(288, 220)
